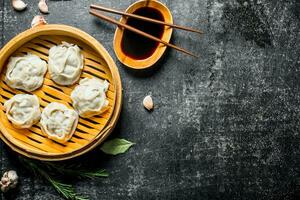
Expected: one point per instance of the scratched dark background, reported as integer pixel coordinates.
(225, 126)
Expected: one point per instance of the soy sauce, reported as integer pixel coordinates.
(139, 47)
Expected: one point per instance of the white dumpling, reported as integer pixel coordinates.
(89, 97)
(58, 122)
(65, 63)
(26, 72)
(23, 110)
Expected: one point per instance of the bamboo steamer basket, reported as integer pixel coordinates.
(97, 63)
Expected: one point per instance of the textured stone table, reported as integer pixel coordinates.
(225, 126)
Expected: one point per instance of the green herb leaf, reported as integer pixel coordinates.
(99, 173)
(116, 146)
(66, 190)
(76, 171)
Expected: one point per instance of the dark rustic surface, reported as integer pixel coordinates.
(225, 126)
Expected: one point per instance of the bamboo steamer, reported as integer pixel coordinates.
(97, 63)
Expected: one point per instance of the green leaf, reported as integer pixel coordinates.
(116, 146)
(93, 174)
(76, 171)
(66, 190)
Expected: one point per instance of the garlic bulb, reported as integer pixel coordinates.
(9, 180)
(43, 6)
(18, 5)
(148, 103)
(37, 21)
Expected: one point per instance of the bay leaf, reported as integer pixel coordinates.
(116, 146)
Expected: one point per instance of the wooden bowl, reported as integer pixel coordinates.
(150, 61)
(97, 63)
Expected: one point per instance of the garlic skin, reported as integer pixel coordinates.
(9, 180)
(18, 5)
(43, 6)
(38, 20)
(148, 103)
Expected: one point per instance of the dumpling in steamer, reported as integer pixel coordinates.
(89, 97)
(23, 110)
(25, 72)
(65, 63)
(58, 122)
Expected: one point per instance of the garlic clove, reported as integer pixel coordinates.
(4, 180)
(18, 5)
(148, 102)
(12, 176)
(37, 21)
(43, 6)
(9, 180)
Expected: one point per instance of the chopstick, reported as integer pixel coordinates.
(97, 7)
(130, 28)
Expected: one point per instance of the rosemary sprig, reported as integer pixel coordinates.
(76, 171)
(47, 169)
(66, 190)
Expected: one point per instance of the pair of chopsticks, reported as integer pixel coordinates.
(94, 11)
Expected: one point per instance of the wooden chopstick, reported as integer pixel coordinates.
(97, 7)
(130, 28)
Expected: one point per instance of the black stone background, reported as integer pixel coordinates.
(225, 126)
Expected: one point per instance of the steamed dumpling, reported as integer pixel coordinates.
(26, 72)
(23, 110)
(65, 63)
(58, 122)
(89, 97)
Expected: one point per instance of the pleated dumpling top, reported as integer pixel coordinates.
(89, 97)
(58, 122)
(23, 110)
(65, 63)
(25, 72)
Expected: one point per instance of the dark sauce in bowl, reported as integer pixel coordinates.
(139, 47)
